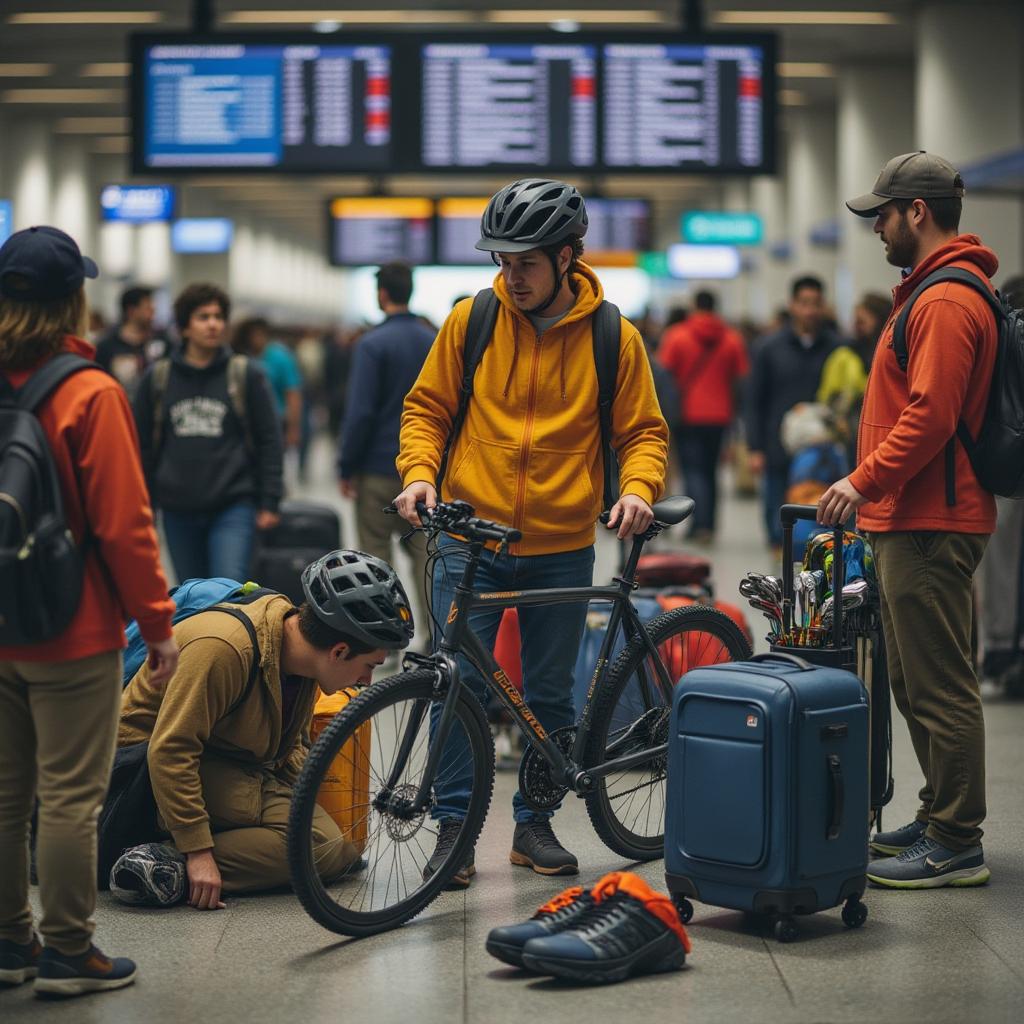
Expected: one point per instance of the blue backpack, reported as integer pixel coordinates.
(811, 472)
(190, 598)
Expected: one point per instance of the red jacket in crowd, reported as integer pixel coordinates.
(91, 433)
(908, 417)
(706, 357)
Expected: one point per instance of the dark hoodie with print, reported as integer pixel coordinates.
(204, 462)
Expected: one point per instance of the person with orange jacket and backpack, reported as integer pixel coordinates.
(529, 454)
(927, 516)
(707, 359)
(60, 660)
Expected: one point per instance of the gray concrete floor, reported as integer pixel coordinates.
(943, 956)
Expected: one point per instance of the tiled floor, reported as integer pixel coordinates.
(945, 956)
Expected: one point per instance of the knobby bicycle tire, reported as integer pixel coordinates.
(668, 626)
(308, 886)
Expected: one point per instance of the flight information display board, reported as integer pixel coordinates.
(365, 231)
(458, 229)
(273, 107)
(690, 107)
(510, 106)
(618, 230)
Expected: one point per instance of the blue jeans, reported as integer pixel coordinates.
(551, 636)
(204, 544)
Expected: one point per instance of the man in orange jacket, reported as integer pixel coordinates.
(59, 700)
(928, 521)
(529, 454)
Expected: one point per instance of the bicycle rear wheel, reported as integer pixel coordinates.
(631, 714)
(343, 807)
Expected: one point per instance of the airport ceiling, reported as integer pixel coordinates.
(79, 49)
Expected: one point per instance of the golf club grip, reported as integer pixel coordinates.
(789, 515)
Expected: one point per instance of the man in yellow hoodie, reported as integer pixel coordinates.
(529, 454)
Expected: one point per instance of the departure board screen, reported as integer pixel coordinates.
(282, 107)
(618, 230)
(458, 229)
(516, 106)
(365, 231)
(692, 107)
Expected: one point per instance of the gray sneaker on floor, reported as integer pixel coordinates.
(927, 865)
(535, 845)
(62, 976)
(900, 839)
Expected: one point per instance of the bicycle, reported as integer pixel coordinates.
(614, 758)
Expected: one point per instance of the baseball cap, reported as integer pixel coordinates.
(917, 175)
(42, 263)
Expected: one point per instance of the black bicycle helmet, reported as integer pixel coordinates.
(361, 596)
(531, 213)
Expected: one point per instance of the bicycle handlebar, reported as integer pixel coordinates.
(457, 517)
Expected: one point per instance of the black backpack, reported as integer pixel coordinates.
(41, 565)
(606, 326)
(997, 453)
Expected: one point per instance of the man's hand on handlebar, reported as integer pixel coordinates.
(418, 490)
(632, 515)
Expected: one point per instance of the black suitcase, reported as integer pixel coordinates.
(307, 531)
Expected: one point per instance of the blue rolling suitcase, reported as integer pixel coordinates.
(767, 794)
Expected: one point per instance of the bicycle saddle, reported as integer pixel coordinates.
(672, 511)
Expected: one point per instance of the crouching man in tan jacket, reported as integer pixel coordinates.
(227, 744)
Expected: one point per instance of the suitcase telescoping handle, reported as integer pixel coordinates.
(790, 514)
(791, 659)
(835, 781)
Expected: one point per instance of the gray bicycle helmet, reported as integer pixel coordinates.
(361, 596)
(531, 213)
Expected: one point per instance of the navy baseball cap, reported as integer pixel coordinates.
(42, 263)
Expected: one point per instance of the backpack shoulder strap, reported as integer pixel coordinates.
(49, 377)
(479, 331)
(254, 668)
(238, 394)
(161, 375)
(899, 334)
(606, 328)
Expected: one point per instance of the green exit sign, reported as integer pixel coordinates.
(701, 228)
(654, 263)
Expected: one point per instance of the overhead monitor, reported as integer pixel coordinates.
(618, 230)
(237, 104)
(458, 229)
(6, 220)
(137, 204)
(369, 230)
(509, 106)
(199, 235)
(688, 106)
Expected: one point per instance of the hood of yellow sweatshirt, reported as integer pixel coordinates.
(589, 295)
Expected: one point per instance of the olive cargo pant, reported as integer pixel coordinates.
(925, 579)
(58, 728)
(248, 809)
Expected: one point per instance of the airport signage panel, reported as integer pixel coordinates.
(700, 227)
(196, 235)
(137, 204)
(6, 220)
(703, 261)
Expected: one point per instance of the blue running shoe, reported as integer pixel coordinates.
(927, 865)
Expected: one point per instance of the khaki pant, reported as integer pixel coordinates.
(58, 724)
(376, 530)
(248, 809)
(926, 579)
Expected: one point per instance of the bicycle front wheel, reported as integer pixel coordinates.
(631, 714)
(357, 845)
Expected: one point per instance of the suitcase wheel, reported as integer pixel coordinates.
(855, 913)
(684, 907)
(786, 930)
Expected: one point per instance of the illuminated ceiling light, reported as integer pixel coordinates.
(792, 98)
(25, 70)
(106, 69)
(353, 17)
(326, 26)
(63, 96)
(111, 144)
(598, 17)
(565, 25)
(85, 18)
(804, 18)
(805, 69)
(91, 125)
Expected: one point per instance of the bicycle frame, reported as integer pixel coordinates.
(459, 638)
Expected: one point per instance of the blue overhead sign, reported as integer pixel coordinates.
(201, 235)
(6, 220)
(137, 204)
(703, 261)
(702, 228)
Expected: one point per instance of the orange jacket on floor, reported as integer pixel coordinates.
(92, 436)
(908, 417)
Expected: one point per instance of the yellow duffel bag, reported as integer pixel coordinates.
(345, 790)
